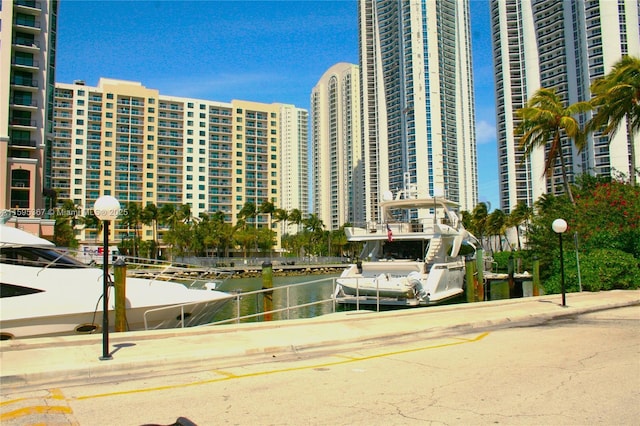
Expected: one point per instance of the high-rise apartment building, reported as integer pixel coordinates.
(27, 72)
(294, 162)
(123, 139)
(336, 147)
(417, 100)
(561, 45)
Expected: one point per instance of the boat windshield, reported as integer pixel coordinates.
(38, 257)
(412, 250)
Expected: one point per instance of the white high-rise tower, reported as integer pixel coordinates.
(417, 100)
(565, 46)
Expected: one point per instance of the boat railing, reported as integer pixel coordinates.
(418, 226)
(357, 296)
(161, 270)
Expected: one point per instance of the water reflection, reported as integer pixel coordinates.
(312, 293)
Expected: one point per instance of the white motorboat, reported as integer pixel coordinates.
(47, 293)
(414, 256)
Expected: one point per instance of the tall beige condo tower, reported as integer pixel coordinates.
(27, 53)
(336, 149)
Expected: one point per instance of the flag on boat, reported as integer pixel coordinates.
(389, 233)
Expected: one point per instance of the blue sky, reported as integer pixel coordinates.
(263, 51)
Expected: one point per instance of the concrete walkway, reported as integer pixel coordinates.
(46, 362)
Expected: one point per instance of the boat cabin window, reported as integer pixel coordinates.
(412, 250)
(10, 290)
(38, 257)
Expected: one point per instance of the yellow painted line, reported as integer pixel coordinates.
(38, 409)
(226, 373)
(13, 401)
(231, 376)
(56, 394)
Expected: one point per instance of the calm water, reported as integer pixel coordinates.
(315, 291)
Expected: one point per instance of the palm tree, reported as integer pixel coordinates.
(295, 217)
(496, 226)
(150, 216)
(616, 98)
(478, 225)
(314, 226)
(90, 221)
(63, 231)
(521, 214)
(544, 120)
(133, 220)
(248, 211)
(281, 216)
(267, 207)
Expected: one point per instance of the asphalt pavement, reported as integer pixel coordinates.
(46, 362)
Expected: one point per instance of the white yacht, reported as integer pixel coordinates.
(47, 293)
(414, 256)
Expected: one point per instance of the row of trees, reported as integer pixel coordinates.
(186, 235)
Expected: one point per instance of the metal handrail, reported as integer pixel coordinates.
(287, 308)
(181, 306)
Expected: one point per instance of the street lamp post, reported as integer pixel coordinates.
(106, 208)
(559, 226)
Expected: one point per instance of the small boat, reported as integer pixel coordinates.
(45, 292)
(414, 256)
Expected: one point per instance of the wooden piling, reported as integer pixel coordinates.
(536, 276)
(480, 290)
(120, 284)
(510, 273)
(267, 284)
(471, 281)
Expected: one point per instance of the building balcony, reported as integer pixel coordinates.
(26, 143)
(22, 122)
(28, 44)
(174, 181)
(165, 142)
(173, 190)
(27, 64)
(165, 124)
(25, 83)
(19, 102)
(26, 24)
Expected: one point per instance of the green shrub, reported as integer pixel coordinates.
(523, 256)
(600, 269)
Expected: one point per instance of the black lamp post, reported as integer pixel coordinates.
(559, 226)
(106, 208)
